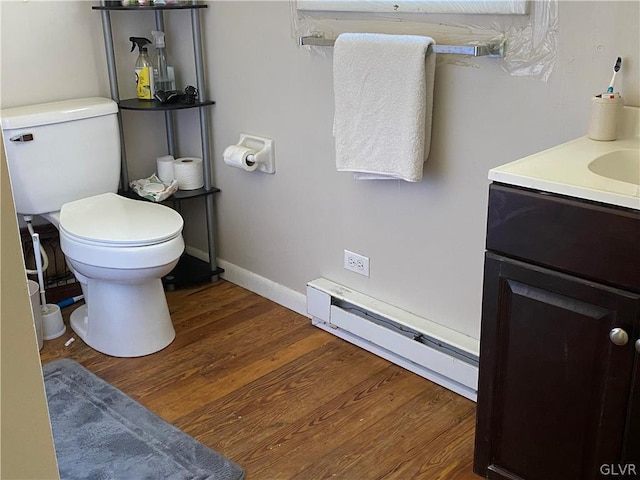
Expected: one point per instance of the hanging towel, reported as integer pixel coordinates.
(383, 87)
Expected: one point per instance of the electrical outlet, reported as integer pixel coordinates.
(356, 263)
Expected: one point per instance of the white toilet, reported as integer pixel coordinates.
(64, 165)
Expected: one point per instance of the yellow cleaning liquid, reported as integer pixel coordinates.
(144, 87)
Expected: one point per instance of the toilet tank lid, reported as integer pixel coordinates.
(56, 112)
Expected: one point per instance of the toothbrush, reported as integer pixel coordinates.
(616, 69)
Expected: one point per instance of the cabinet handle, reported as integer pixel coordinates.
(638, 345)
(619, 337)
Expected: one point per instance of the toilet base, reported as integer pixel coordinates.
(124, 320)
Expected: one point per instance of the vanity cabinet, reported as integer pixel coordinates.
(190, 270)
(559, 381)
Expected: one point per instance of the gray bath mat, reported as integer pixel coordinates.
(100, 433)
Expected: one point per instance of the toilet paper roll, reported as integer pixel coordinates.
(238, 156)
(164, 168)
(188, 173)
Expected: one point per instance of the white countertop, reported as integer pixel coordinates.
(564, 169)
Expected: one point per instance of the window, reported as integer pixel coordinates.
(511, 7)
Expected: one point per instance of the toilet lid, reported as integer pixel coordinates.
(111, 219)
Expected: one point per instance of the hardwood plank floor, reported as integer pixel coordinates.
(285, 400)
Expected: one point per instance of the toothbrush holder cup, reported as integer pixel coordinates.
(605, 115)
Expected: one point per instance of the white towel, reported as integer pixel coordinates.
(383, 87)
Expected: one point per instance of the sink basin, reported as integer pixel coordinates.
(605, 172)
(622, 165)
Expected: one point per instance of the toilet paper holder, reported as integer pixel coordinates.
(264, 155)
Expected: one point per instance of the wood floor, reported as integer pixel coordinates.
(285, 400)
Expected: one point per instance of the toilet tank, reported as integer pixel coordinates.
(61, 151)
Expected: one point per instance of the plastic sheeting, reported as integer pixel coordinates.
(500, 7)
(530, 40)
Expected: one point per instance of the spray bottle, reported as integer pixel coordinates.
(163, 73)
(144, 69)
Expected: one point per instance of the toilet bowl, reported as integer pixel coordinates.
(119, 249)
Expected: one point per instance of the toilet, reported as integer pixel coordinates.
(64, 166)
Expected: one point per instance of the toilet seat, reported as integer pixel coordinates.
(110, 220)
(110, 231)
(125, 258)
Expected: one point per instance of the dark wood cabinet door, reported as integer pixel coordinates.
(554, 390)
(631, 454)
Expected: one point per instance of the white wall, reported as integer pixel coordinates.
(425, 240)
(50, 51)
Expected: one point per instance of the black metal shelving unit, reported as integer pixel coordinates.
(154, 105)
(190, 270)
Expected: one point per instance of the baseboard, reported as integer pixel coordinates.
(262, 286)
(418, 344)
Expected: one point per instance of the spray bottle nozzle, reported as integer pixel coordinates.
(139, 41)
(158, 38)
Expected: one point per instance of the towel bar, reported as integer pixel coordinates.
(487, 49)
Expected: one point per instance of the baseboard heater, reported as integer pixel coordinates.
(431, 350)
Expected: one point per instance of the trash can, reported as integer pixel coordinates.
(34, 295)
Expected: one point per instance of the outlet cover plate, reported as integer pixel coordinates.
(356, 263)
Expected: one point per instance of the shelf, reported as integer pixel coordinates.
(186, 6)
(184, 194)
(154, 105)
(189, 271)
(179, 195)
